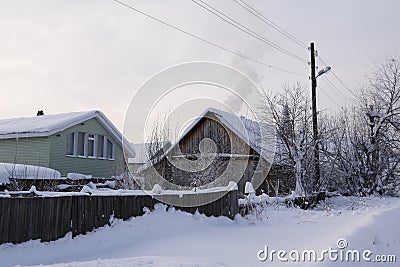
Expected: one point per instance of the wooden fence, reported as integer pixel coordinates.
(50, 218)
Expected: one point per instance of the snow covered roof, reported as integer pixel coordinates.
(259, 136)
(47, 125)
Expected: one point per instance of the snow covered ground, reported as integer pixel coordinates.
(174, 238)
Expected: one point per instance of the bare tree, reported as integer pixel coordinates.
(291, 113)
(156, 142)
(364, 145)
(345, 151)
(382, 103)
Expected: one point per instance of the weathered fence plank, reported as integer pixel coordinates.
(50, 218)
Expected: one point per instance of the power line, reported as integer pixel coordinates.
(327, 95)
(206, 41)
(334, 88)
(270, 23)
(330, 97)
(245, 29)
(338, 78)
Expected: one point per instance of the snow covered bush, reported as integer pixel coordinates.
(20, 176)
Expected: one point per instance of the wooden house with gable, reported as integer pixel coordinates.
(217, 138)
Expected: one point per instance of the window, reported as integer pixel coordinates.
(71, 144)
(91, 145)
(100, 146)
(110, 150)
(81, 144)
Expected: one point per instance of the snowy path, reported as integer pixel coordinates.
(174, 238)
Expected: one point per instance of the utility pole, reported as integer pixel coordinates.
(314, 118)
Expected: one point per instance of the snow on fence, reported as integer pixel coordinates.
(48, 218)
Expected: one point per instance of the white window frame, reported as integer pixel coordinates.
(112, 149)
(94, 145)
(74, 143)
(104, 146)
(112, 152)
(84, 146)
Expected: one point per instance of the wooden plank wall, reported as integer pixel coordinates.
(50, 218)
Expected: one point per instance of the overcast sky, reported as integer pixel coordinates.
(75, 55)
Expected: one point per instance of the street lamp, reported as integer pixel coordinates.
(324, 71)
(314, 115)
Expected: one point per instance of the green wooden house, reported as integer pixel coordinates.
(76, 142)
